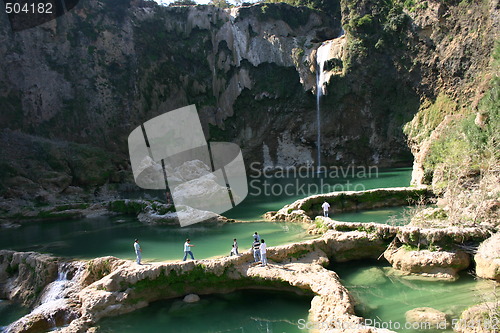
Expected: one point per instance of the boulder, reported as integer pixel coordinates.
(487, 258)
(481, 318)
(435, 318)
(191, 298)
(437, 264)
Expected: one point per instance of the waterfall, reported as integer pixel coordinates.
(54, 295)
(53, 305)
(322, 55)
(55, 289)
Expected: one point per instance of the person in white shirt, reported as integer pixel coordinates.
(326, 207)
(256, 236)
(138, 251)
(263, 251)
(187, 249)
(235, 245)
(233, 252)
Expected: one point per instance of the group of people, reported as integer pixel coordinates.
(259, 246)
(259, 249)
(187, 250)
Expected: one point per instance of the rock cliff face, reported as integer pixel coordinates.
(94, 74)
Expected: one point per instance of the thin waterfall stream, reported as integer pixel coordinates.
(323, 54)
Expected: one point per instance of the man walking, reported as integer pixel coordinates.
(138, 251)
(235, 245)
(263, 252)
(187, 249)
(326, 207)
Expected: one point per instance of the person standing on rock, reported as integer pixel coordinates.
(233, 251)
(187, 249)
(326, 207)
(256, 236)
(138, 251)
(263, 252)
(235, 245)
(256, 250)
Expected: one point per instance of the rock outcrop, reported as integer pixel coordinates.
(191, 298)
(109, 286)
(428, 316)
(487, 258)
(306, 209)
(436, 264)
(481, 318)
(23, 275)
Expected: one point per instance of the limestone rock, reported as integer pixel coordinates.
(438, 264)
(481, 318)
(428, 315)
(191, 298)
(24, 274)
(487, 258)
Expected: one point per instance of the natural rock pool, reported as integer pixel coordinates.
(241, 311)
(9, 312)
(383, 295)
(389, 215)
(114, 236)
(268, 193)
(102, 236)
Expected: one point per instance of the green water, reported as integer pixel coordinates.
(384, 296)
(390, 215)
(96, 237)
(114, 236)
(10, 312)
(247, 311)
(267, 194)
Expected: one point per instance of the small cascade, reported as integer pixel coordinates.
(53, 305)
(55, 290)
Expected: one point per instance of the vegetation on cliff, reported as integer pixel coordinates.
(462, 157)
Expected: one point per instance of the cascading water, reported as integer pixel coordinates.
(54, 299)
(322, 55)
(54, 290)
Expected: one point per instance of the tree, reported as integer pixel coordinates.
(183, 3)
(220, 3)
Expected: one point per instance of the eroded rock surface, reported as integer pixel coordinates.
(487, 258)
(438, 264)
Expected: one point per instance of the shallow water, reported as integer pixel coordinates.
(10, 312)
(249, 311)
(389, 215)
(383, 296)
(268, 194)
(114, 236)
(244, 311)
